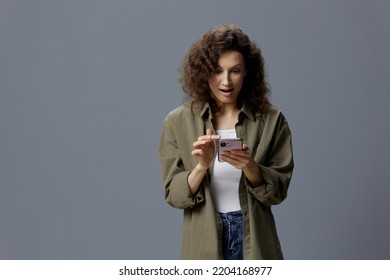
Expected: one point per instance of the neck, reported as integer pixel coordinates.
(228, 110)
(225, 118)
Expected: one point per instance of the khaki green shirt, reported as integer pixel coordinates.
(269, 141)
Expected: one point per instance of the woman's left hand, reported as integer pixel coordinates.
(242, 159)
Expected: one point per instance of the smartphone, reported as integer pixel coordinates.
(228, 144)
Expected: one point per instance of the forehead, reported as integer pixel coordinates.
(230, 58)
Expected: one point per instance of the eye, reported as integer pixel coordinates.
(236, 70)
(218, 71)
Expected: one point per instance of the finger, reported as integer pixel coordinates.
(239, 153)
(203, 144)
(209, 137)
(197, 152)
(245, 152)
(238, 160)
(233, 162)
(231, 157)
(199, 143)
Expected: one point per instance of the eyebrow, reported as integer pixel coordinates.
(239, 64)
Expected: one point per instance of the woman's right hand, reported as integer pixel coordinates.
(205, 149)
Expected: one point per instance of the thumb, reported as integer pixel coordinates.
(208, 131)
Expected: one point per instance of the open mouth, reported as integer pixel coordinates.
(226, 91)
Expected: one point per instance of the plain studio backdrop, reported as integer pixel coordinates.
(85, 86)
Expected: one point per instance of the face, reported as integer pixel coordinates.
(227, 81)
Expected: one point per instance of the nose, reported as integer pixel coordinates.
(226, 81)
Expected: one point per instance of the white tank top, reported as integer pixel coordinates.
(225, 179)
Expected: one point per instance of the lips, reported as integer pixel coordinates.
(226, 91)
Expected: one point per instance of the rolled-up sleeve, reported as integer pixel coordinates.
(174, 175)
(276, 165)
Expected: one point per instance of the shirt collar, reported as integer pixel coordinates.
(245, 110)
(206, 110)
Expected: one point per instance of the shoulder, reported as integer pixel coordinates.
(182, 122)
(183, 117)
(275, 113)
(273, 110)
(178, 113)
(275, 120)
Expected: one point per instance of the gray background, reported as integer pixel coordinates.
(84, 88)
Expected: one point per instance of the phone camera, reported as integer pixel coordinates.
(223, 144)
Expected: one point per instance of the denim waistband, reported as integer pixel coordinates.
(230, 216)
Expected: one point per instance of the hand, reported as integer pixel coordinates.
(242, 159)
(205, 149)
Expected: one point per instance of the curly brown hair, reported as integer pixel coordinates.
(201, 62)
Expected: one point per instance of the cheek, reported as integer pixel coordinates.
(213, 82)
(239, 80)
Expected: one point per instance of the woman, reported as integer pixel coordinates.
(227, 205)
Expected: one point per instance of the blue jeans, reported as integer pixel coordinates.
(232, 235)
